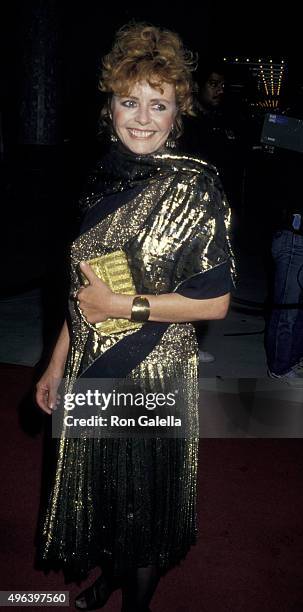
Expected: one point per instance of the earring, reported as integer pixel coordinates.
(113, 138)
(171, 143)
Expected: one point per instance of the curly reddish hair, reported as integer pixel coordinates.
(143, 52)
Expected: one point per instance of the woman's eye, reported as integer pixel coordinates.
(160, 107)
(129, 103)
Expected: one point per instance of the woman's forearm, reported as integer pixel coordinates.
(98, 303)
(172, 307)
(60, 351)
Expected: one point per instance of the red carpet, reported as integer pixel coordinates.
(249, 556)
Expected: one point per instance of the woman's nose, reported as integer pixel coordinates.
(142, 115)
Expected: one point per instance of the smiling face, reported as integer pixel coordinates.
(144, 118)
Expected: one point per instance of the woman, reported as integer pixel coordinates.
(129, 505)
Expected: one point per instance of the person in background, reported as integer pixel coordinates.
(284, 328)
(214, 136)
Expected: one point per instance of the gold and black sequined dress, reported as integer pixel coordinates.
(132, 502)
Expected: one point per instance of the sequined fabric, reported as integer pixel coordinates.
(130, 501)
(133, 501)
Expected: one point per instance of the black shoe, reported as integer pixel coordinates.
(97, 594)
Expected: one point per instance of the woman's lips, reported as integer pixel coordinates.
(141, 133)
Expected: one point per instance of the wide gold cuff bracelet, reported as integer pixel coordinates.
(114, 270)
(140, 309)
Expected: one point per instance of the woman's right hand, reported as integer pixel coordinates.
(46, 390)
(47, 396)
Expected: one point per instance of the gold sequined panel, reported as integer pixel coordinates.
(173, 363)
(152, 513)
(111, 234)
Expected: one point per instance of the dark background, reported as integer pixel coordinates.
(49, 105)
(59, 45)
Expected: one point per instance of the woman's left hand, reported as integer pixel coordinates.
(94, 300)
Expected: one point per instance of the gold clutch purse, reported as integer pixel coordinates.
(114, 270)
